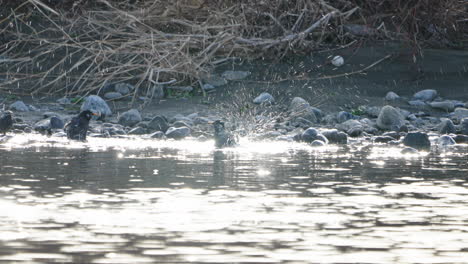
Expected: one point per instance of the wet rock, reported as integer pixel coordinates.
(417, 103)
(464, 126)
(157, 134)
(56, 122)
(425, 95)
(412, 117)
(130, 118)
(460, 113)
(180, 123)
(33, 108)
(96, 104)
(20, 126)
(317, 143)
(112, 96)
(158, 123)
(322, 138)
(49, 123)
(264, 98)
(391, 96)
(446, 127)
(123, 88)
(336, 137)
(389, 119)
(64, 101)
(392, 134)
(445, 140)
(409, 150)
(309, 135)
(446, 106)
(461, 139)
(137, 131)
(235, 75)
(19, 106)
(350, 124)
(344, 116)
(417, 140)
(178, 132)
(383, 139)
(355, 131)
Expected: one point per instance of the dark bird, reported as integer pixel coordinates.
(78, 126)
(222, 138)
(6, 121)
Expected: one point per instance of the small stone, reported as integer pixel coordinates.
(417, 140)
(298, 104)
(383, 139)
(19, 106)
(201, 120)
(425, 95)
(137, 131)
(235, 75)
(446, 127)
(96, 104)
(317, 143)
(180, 123)
(322, 138)
(112, 96)
(355, 131)
(391, 96)
(130, 118)
(372, 111)
(264, 98)
(445, 140)
(389, 119)
(417, 103)
(157, 134)
(33, 108)
(337, 61)
(178, 132)
(343, 116)
(446, 106)
(158, 123)
(64, 101)
(208, 87)
(123, 88)
(309, 135)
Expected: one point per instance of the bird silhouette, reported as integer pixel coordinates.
(78, 126)
(6, 121)
(221, 136)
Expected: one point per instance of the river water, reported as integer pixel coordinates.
(142, 201)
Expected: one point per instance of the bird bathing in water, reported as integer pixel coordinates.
(78, 126)
(221, 136)
(6, 121)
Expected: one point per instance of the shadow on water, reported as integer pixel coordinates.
(137, 201)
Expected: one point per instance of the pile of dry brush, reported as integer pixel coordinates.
(74, 47)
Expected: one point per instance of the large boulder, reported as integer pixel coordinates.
(130, 118)
(96, 104)
(417, 140)
(425, 95)
(390, 118)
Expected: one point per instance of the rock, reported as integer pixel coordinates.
(309, 135)
(446, 127)
(317, 143)
(215, 80)
(445, 140)
(344, 116)
(178, 132)
(337, 61)
(383, 139)
(409, 150)
(391, 96)
(372, 111)
(464, 126)
(417, 140)
(322, 138)
(392, 134)
(64, 101)
(390, 119)
(19, 106)
(137, 131)
(404, 113)
(106, 87)
(355, 131)
(335, 136)
(158, 123)
(301, 122)
(157, 134)
(130, 118)
(96, 104)
(446, 106)
(317, 112)
(264, 98)
(49, 123)
(347, 125)
(201, 120)
(425, 95)
(460, 139)
(56, 122)
(298, 104)
(112, 96)
(417, 103)
(181, 88)
(180, 117)
(33, 108)
(235, 75)
(180, 123)
(208, 87)
(123, 88)
(412, 117)
(460, 113)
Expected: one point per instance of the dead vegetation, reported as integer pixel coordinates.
(74, 47)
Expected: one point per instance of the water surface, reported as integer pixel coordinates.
(142, 201)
